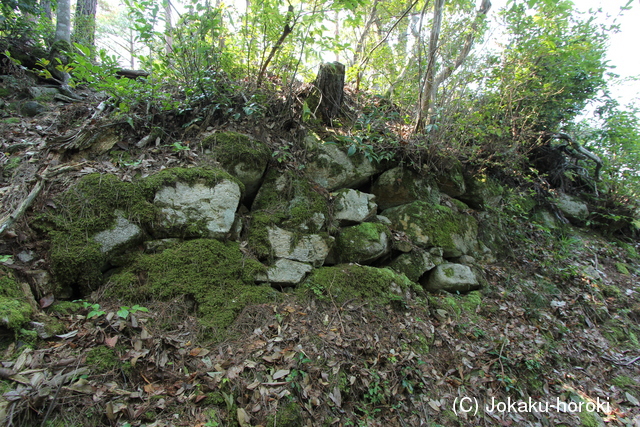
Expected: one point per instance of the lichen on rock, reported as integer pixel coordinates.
(430, 225)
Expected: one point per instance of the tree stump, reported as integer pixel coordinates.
(330, 84)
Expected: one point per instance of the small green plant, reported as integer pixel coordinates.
(124, 311)
(94, 309)
(179, 146)
(6, 258)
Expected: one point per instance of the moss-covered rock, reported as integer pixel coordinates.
(399, 186)
(451, 179)
(241, 156)
(415, 263)
(291, 202)
(329, 165)
(350, 281)
(353, 206)
(363, 243)
(219, 278)
(90, 206)
(91, 218)
(15, 309)
(451, 277)
(430, 225)
(481, 192)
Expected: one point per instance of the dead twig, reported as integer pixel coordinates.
(42, 179)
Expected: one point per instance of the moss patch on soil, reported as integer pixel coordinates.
(14, 307)
(216, 275)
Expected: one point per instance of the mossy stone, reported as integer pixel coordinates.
(15, 310)
(242, 156)
(363, 243)
(216, 275)
(429, 225)
(345, 282)
(93, 205)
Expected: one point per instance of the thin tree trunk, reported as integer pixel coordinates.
(168, 39)
(63, 21)
(288, 28)
(464, 52)
(425, 95)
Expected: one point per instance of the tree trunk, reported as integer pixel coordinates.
(63, 21)
(330, 84)
(168, 38)
(425, 95)
(85, 20)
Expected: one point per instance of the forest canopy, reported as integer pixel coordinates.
(489, 94)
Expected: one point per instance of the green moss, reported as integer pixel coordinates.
(10, 166)
(289, 415)
(624, 382)
(353, 242)
(622, 268)
(102, 359)
(4, 92)
(15, 310)
(65, 308)
(433, 225)
(294, 198)
(215, 274)
(611, 291)
(232, 148)
(457, 304)
(379, 286)
(167, 177)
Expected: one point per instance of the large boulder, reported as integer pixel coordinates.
(363, 243)
(330, 165)
(574, 209)
(286, 272)
(353, 206)
(415, 263)
(481, 192)
(451, 179)
(242, 156)
(451, 277)
(198, 209)
(312, 248)
(399, 186)
(429, 225)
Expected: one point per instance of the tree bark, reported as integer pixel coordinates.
(425, 95)
(330, 84)
(63, 21)
(85, 23)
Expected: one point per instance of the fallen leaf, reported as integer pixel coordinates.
(243, 418)
(111, 342)
(281, 373)
(632, 399)
(47, 300)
